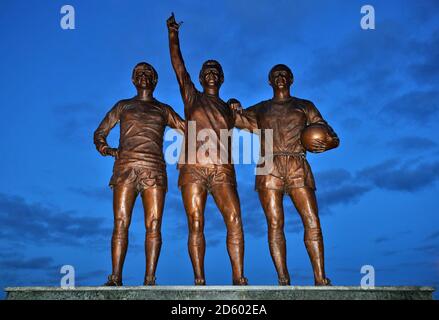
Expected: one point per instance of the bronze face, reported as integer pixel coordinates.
(144, 76)
(211, 74)
(280, 76)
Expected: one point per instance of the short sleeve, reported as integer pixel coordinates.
(313, 115)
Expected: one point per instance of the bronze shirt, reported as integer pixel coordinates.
(211, 113)
(142, 125)
(286, 119)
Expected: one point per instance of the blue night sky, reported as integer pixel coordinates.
(377, 88)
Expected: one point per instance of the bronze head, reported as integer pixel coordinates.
(144, 76)
(280, 76)
(211, 74)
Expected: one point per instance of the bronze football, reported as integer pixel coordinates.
(313, 132)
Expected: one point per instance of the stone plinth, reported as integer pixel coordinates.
(220, 293)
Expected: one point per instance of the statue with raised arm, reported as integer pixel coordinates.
(139, 167)
(297, 126)
(207, 115)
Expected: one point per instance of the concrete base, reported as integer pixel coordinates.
(220, 293)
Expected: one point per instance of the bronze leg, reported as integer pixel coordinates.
(194, 199)
(227, 200)
(153, 201)
(124, 197)
(271, 201)
(305, 202)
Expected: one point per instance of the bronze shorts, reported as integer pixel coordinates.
(288, 172)
(208, 177)
(140, 177)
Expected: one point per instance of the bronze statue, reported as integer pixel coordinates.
(291, 174)
(139, 167)
(208, 112)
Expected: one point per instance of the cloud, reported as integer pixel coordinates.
(345, 194)
(433, 236)
(393, 175)
(20, 269)
(424, 10)
(27, 264)
(253, 216)
(250, 40)
(39, 223)
(428, 248)
(418, 107)
(294, 226)
(332, 177)
(351, 123)
(76, 122)
(356, 64)
(396, 236)
(93, 193)
(426, 70)
(381, 73)
(213, 242)
(90, 276)
(381, 239)
(388, 253)
(412, 143)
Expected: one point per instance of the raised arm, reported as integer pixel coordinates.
(187, 88)
(104, 128)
